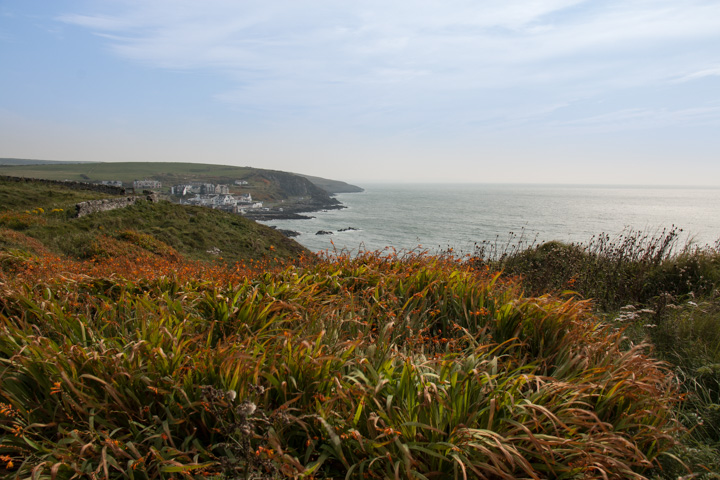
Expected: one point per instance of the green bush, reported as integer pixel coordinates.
(634, 268)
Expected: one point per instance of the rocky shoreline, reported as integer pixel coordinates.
(291, 212)
(285, 213)
(297, 211)
(269, 215)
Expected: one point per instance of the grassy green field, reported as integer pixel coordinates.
(127, 172)
(169, 173)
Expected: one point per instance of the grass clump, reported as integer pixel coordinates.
(656, 292)
(632, 268)
(19, 220)
(369, 367)
(688, 336)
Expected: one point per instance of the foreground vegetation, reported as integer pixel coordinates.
(634, 267)
(371, 367)
(657, 291)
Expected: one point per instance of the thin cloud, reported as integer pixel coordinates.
(708, 72)
(332, 60)
(637, 119)
(434, 33)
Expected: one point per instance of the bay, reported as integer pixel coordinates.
(436, 217)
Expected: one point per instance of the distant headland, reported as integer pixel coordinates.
(256, 193)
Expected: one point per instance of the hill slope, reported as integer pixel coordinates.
(44, 213)
(333, 186)
(170, 173)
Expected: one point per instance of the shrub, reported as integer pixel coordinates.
(19, 221)
(148, 242)
(633, 268)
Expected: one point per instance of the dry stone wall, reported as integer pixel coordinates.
(112, 190)
(94, 206)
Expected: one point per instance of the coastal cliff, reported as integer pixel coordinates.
(297, 195)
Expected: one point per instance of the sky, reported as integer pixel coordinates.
(511, 91)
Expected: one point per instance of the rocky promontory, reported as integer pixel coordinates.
(299, 195)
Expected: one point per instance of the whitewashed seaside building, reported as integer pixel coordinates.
(147, 184)
(199, 188)
(227, 202)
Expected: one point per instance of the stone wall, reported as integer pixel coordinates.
(94, 206)
(95, 187)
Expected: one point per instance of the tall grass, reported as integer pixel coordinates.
(657, 291)
(631, 268)
(377, 366)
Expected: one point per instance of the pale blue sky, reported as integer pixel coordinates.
(559, 91)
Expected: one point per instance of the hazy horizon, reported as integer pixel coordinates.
(523, 92)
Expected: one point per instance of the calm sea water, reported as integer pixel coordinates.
(437, 217)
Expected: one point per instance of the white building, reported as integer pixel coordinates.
(150, 184)
(184, 189)
(201, 188)
(224, 202)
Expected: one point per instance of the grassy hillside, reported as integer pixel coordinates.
(45, 213)
(20, 196)
(126, 172)
(333, 186)
(169, 173)
(26, 161)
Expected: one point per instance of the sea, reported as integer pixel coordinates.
(442, 217)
